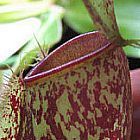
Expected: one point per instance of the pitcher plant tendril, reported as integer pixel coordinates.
(103, 16)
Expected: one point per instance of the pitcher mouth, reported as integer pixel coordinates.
(73, 52)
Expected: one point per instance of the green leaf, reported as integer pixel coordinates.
(13, 12)
(51, 31)
(10, 61)
(76, 16)
(132, 52)
(14, 35)
(2, 2)
(5, 2)
(127, 13)
(48, 35)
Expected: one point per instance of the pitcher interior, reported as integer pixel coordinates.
(72, 50)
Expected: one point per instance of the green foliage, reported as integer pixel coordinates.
(127, 12)
(76, 16)
(20, 11)
(49, 34)
(15, 35)
(10, 61)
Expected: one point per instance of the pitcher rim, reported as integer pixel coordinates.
(30, 77)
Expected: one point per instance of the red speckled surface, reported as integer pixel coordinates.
(84, 96)
(89, 100)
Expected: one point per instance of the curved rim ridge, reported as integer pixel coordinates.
(33, 75)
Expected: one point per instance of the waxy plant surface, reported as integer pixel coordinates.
(88, 102)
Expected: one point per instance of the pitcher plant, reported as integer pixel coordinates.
(79, 91)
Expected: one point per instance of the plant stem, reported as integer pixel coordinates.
(133, 42)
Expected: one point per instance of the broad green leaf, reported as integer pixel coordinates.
(48, 35)
(127, 13)
(76, 16)
(132, 52)
(13, 12)
(102, 13)
(14, 35)
(13, 1)
(5, 2)
(10, 61)
(51, 30)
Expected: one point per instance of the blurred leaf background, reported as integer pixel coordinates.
(24, 21)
